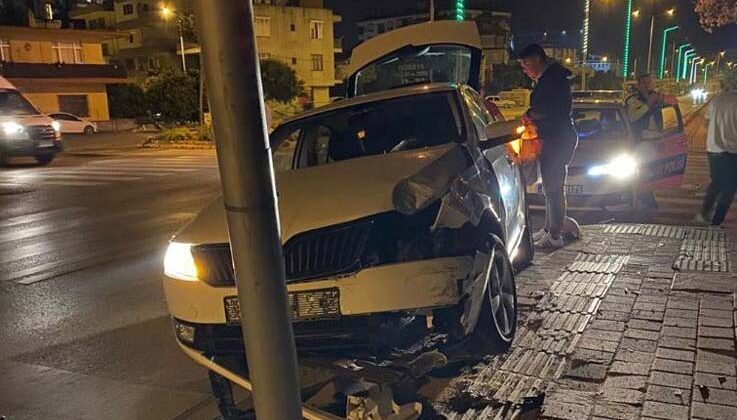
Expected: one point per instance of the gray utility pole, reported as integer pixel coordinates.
(236, 96)
(650, 45)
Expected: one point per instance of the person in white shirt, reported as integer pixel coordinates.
(721, 148)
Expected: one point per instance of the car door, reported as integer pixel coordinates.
(431, 52)
(67, 122)
(509, 181)
(663, 150)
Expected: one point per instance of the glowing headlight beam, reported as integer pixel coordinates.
(622, 167)
(12, 127)
(56, 126)
(179, 262)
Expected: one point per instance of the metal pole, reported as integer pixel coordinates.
(673, 61)
(650, 46)
(663, 47)
(249, 194)
(432, 10)
(627, 32)
(586, 21)
(181, 46)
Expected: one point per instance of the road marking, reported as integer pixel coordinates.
(62, 177)
(73, 183)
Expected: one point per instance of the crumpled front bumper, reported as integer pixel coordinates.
(21, 148)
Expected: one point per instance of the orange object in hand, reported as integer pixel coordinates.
(527, 148)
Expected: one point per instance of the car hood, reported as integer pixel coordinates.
(27, 119)
(327, 195)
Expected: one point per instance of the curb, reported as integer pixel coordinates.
(184, 145)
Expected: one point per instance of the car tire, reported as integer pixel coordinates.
(89, 130)
(44, 159)
(497, 324)
(222, 390)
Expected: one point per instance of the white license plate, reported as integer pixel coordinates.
(47, 143)
(576, 189)
(310, 305)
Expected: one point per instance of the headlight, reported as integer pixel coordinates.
(12, 128)
(622, 167)
(179, 263)
(56, 126)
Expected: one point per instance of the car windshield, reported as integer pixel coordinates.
(597, 124)
(416, 65)
(374, 128)
(13, 103)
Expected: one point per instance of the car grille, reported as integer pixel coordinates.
(41, 132)
(321, 253)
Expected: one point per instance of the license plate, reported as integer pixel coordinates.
(309, 305)
(46, 144)
(570, 189)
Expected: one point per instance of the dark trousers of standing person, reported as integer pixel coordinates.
(554, 160)
(721, 191)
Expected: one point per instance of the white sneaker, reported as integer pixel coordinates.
(700, 220)
(539, 235)
(549, 242)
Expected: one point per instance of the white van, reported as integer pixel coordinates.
(24, 131)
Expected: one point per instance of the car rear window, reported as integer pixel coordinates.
(375, 128)
(594, 124)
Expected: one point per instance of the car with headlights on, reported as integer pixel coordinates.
(24, 131)
(400, 212)
(615, 164)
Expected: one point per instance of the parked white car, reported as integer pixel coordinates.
(400, 211)
(69, 123)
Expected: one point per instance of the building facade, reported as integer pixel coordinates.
(60, 69)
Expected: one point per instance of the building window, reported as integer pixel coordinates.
(92, 24)
(105, 50)
(130, 38)
(317, 64)
(74, 104)
(316, 29)
(130, 64)
(4, 50)
(292, 27)
(380, 28)
(67, 52)
(142, 7)
(127, 9)
(294, 61)
(262, 26)
(101, 23)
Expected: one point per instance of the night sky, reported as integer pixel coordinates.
(607, 23)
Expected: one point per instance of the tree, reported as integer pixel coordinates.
(506, 77)
(729, 82)
(605, 81)
(12, 15)
(716, 13)
(280, 81)
(126, 101)
(174, 96)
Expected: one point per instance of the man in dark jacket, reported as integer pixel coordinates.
(550, 112)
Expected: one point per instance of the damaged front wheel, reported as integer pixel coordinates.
(498, 319)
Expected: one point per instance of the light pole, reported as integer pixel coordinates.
(662, 49)
(687, 56)
(677, 70)
(627, 33)
(166, 13)
(719, 59)
(706, 72)
(586, 20)
(670, 12)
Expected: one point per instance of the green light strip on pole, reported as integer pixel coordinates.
(627, 29)
(680, 60)
(706, 73)
(460, 10)
(686, 58)
(662, 49)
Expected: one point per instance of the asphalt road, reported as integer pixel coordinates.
(85, 332)
(84, 327)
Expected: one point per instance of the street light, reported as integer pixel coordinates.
(166, 13)
(586, 19)
(686, 58)
(670, 12)
(662, 50)
(677, 70)
(627, 32)
(605, 59)
(706, 72)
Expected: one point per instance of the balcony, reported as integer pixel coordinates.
(101, 72)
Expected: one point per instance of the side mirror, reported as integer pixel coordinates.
(499, 133)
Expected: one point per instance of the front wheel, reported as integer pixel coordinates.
(89, 130)
(497, 322)
(44, 159)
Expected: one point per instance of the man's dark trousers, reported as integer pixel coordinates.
(721, 191)
(556, 155)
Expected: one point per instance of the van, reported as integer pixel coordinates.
(24, 130)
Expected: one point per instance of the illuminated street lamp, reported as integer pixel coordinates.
(677, 69)
(662, 49)
(706, 72)
(627, 33)
(687, 56)
(460, 9)
(166, 13)
(670, 13)
(586, 20)
(719, 59)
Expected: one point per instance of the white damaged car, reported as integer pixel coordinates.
(399, 209)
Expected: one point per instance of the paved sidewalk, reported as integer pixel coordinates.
(632, 321)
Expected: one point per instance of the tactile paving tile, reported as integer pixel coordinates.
(666, 231)
(707, 251)
(597, 263)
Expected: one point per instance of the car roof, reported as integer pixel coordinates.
(377, 96)
(597, 103)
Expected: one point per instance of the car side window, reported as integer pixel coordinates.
(283, 156)
(479, 115)
(315, 146)
(664, 122)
